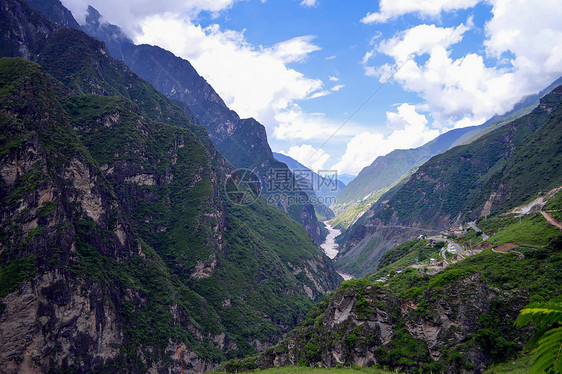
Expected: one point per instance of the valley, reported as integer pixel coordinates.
(128, 243)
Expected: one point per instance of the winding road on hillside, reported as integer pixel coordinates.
(551, 219)
(473, 225)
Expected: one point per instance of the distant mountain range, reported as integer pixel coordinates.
(325, 187)
(498, 170)
(346, 178)
(387, 171)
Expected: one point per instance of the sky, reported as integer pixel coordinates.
(338, 83)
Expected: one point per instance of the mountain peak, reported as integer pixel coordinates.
(95, 25)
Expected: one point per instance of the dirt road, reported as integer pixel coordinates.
(551, 220)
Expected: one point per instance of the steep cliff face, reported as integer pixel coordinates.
(19, 36)
(119, 248)
(56, 208)
(55, 12)
(243, 142)
(367, 325)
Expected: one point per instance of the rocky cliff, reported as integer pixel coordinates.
(460, 320)
(368, 326)
(119, 248)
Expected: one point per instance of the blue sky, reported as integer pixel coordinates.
(302, 68)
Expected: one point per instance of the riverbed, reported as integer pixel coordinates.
(331, 248)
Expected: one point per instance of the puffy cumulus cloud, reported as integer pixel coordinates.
(130, 14)
(255, 82)
(294, 125)
(312, 158)
(389, 9)
(459, 92)
(530, 31)
(410, 130)
(309, 3)
(467, 90)
(419, 40)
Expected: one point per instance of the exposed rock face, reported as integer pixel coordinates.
(370, 243)
(54, 322)
(106, 214)
(19, 37)
(56, 205)
(364, 324)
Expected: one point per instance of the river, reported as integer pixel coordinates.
(331, 248)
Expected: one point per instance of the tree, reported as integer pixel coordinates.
(546, 344)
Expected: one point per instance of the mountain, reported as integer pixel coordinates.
(324, 188)
(120, 249)
(243, 142)
(460, 320)
(55, 12)
(323, 185)
(386, 170)
(346, 178)
(499, 170)
(435, 317)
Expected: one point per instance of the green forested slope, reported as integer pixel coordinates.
(105, 204)
(460, 319)
(498, 171)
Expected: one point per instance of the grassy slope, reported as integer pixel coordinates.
(554, 206)
(354, 211)
(406, 254)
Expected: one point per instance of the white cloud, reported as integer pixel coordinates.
(459, 92)
(312, 158)
(255, 82)
(129, 14)
(296, 125)
(420, 40)
(333, 79)
(524, 38)
(295, 50)
(309, 3)
(318, 94)
(532, 32)
(389, 9)
(410, 131)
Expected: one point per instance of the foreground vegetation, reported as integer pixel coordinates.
(314, 370)
(480, 296)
